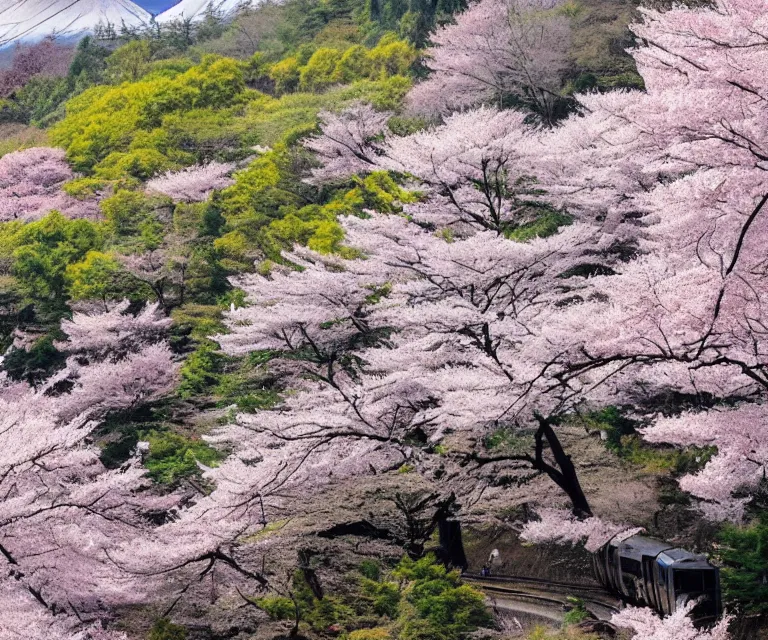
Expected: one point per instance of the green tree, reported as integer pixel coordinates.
(89, 63)
(125, 211)
(44, 251)
(744, 575)
(94, 278)
(129, 62)
(318, 73)
(286, 75)
(36, 363)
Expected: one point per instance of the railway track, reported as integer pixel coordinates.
(544, 598)
(534, 581)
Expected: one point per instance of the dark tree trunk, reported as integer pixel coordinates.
(565, 475)
(451, 543)
(305, 558)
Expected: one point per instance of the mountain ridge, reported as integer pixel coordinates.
(30, 20)
(196, 9)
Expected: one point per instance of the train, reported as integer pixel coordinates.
(656, 574)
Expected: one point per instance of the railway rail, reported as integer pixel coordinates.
(544, 598)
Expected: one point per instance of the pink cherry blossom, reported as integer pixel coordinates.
(647, 625)
(193, 184)
(496, 47)
(30, 186)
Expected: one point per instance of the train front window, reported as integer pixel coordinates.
(690, 581)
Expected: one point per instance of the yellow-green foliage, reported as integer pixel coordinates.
(168, 114)
(123, 127)
(93, 278)
(418, 600)
(277, 607)
(125, 211)
(286, 74)
(434, 604)
(84, 188)
(39, 253)
(200, 320)
(327, 66)
(377, 633)
(318, 73)
(129, 62)
(354, 63)
(263, 209)
(293, 115)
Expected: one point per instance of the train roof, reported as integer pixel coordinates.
(682, 559)
(637, 546)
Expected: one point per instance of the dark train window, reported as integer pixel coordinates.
(690, 581)
(710, 582)
(628, 565)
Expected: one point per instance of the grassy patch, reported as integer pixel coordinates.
(173, 457)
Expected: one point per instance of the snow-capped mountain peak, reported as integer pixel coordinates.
(29, 20)
(196, 9)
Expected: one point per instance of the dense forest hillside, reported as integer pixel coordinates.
(308, 309)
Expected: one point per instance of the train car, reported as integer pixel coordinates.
(656, 574)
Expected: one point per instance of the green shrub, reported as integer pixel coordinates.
(744, 575)
(41, 251)
(354, 64)
(318, 73)
(129, 62)
(576, 614)
(435, 605)
(94, 278)
(277, 607)
(36, 363)
(201, 371)
(199, 321)
(543, 226)
(164, 629)
(377, 633)
(286, 75)
(125, 211)
(370, 569)
(384, 597)
(173, 457)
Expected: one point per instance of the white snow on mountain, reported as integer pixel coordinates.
(196, 9)
(30, 20)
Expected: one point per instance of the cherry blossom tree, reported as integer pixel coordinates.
(690, 197)
(497, 48)
(428, 342)
(61, 508)
(668, 191)
(30, 186)
(115, 331)
(162, 269)
(45, 58)
(350, 142)
(440, 355)
(646, 625)
(193, 184)
(474, 170)
(560, 526)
